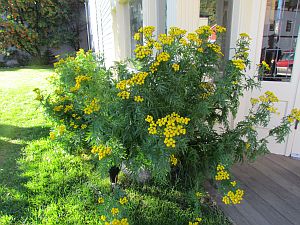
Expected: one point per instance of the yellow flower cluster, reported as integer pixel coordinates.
(78, 80)
(234, 198)
(83, 126)
(61, 129)
(239, 64)
(165, 39)
(100, 200)
(163, 57)
(268, 97)
(114, 211)
(199, 194)
(123, 200)
(124, 94)
(68, 108)
(138, 78)
(101, 150)
(245, 35)
(173, 160)
(216, 48)
(153, 67)
(175, 67)
(175, 31)
(265, 65)
(157, 45)
(92, 107)
(254, 101)
(220, 29)
(209, 89)
(295, 115)
(193, 37)
(58, 108)
(138, 99)
(204, 30)
(198, 220)
(142, 51)
(123, 221)
(147, 31)
(52, 135)
(222, 174)
(137, 36)
(183, 41)
(173, 127)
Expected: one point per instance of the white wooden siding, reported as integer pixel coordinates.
(101, 29)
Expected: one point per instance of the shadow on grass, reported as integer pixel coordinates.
(12, 191)
(23, 133)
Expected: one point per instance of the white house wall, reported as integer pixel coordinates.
(101, 29)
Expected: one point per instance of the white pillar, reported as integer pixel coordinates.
(184, 14)
(122, 30)
(154, 14)
(248, 17)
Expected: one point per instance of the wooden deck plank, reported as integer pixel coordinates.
(248, 176)
(264, 208)
(272, 192)
(292, 167)
(277, 176)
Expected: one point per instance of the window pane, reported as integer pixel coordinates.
(280, 37)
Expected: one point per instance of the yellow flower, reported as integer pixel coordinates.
(83, 126)
(199, 194)
(114, 211)
(149, 119)
(92, 107)
(61, 129)
(233, 183)
(142, 51)
(239, 64)
(175, 31)
(254, 101)
(100, 200)
(247, 146)
(68, 108)
(157, 45)
(137, 36)
(173, 160)
(58, 108)
(216, 48)
(147, 31)
(123, 200)
(52, 135)
(103, 218)
(138, 99)
(204, 30)
(101, 150)
(220, 29)
(175, 67)
(245, 35)
(183, 41)
(164, 56)
(265, 65)
(165, 39)
(124, 95)
(199, 219)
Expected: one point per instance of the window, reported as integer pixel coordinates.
(136, 20)
(279, 43)
(288, 26)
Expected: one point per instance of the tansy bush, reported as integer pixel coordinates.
(163, 110)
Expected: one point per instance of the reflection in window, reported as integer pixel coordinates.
(280, 37)
(136, 20)
(218, 12)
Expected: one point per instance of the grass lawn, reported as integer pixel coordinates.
(21, 121)
(41, 183)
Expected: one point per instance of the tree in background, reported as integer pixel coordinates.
(36, 25)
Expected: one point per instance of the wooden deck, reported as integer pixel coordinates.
(272, 192)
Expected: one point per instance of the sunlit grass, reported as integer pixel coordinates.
(21, 121)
